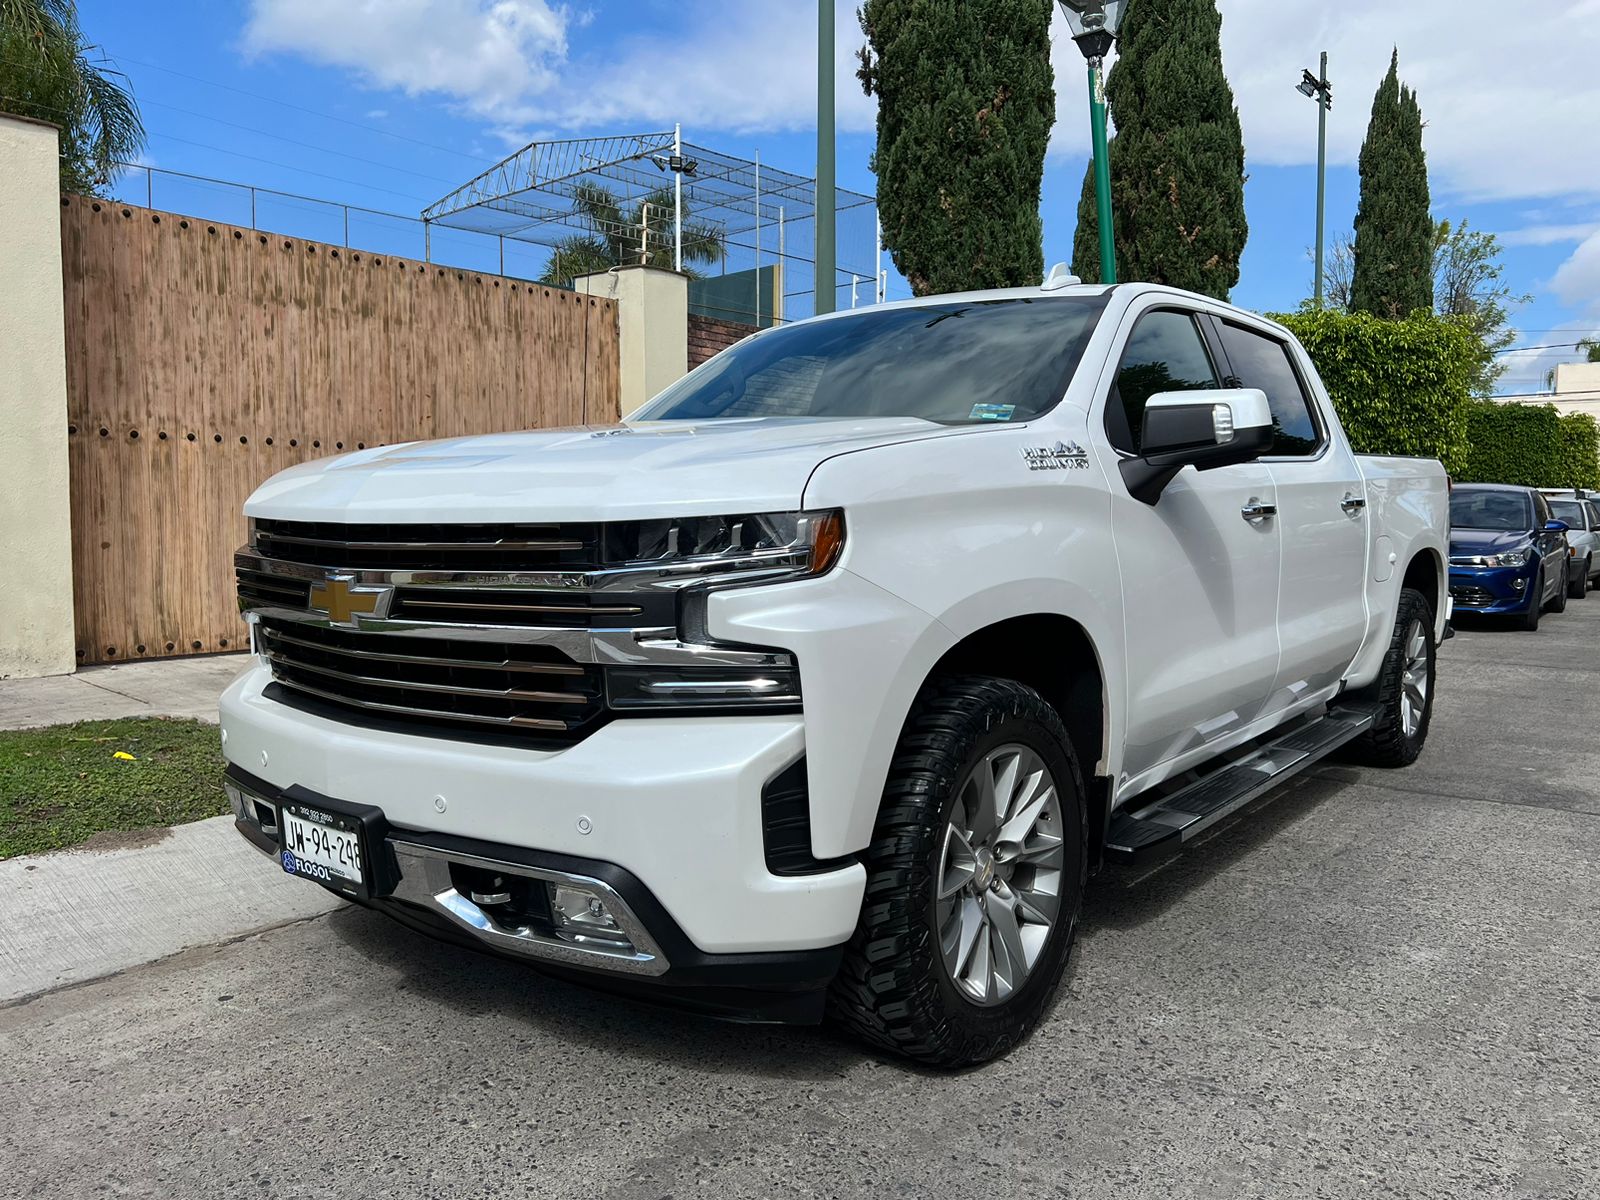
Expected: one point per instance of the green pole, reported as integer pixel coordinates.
(1102, 170)
(1322, 171)
(826, 195)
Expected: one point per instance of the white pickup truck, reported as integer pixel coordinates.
(824, 683)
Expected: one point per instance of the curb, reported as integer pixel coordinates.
(71, 916)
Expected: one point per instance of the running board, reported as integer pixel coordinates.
(1163, 827)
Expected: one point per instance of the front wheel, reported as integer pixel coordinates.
(1558, 602)
(975, 877)
(1530, 619)
(1404, 690)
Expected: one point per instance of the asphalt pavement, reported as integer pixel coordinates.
(1380, 984)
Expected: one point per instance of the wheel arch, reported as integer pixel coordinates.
(1426, 573)
(1058, 658)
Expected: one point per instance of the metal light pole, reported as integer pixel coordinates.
(1094, 26)
(826, 193)
(1316, 87)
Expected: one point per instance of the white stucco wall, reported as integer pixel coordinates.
(35, 527)
(653, 327)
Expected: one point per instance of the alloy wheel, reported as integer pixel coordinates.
(1414, 679)
(1000, 874)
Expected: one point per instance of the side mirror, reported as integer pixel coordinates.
(1204, 430)
(1556, 527)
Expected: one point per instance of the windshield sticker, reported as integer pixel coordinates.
(992, 412)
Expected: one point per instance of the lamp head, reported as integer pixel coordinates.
(1095, 24)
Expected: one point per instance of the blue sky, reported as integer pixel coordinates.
(390, 104)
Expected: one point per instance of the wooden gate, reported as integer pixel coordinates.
(203, 358)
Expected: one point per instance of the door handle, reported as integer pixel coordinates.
(1353, 505)
(1254, 511)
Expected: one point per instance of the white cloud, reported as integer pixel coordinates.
(489, 55)
(1577, 282)
(1549, 235)
(1510, 99)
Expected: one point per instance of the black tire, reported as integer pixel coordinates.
(893, 988)
(1578, 589)
(1558, 602)
(1529, 620)
(1388, 743)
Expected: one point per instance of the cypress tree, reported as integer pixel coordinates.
(966, 99)
(1177, 160)
(1394, 226)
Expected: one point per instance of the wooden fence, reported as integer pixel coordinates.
(203, 358)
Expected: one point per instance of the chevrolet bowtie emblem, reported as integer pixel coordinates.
(336, 597)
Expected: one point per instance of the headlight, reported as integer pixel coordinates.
(695, 556)
(1511, 558)
(707, 552)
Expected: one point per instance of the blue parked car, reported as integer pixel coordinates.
(1508, 554)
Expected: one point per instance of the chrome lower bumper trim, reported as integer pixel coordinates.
(425, 882)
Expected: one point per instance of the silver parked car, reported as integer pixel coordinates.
(1581, 515)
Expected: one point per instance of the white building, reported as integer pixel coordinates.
(1577, 390)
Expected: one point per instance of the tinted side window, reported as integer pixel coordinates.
(1541, 509)
(1165, 354)
(1594, 514)
(1263, 362)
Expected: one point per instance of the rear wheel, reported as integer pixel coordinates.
(975, 877)
(1578, 588)
(1404, 690)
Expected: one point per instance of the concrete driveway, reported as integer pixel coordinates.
(1380, 984)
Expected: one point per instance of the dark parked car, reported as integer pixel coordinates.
(1508, 553)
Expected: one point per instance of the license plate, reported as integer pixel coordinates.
(323, 846)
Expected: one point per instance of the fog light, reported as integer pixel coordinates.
(583, 915)
(1519, 584)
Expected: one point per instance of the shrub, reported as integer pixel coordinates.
(1514, 443)
(1580, 452)
(1399, 387)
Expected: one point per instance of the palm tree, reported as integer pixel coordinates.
(643, 235)
(50, 72)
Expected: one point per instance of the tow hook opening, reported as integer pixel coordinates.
(512, 902)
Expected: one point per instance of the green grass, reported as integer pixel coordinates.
(62, 785)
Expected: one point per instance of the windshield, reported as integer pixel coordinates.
(1471, 509)
(959, 362)
(1569, 511)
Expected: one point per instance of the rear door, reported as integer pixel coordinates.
(1322, 518)
(1199, 578)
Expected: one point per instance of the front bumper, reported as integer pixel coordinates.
(1492, 591)
(650, 956)
(666, 812)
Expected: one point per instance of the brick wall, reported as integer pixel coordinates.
(709, 337)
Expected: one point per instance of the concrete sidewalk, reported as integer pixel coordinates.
(75, 915)
(167, 687)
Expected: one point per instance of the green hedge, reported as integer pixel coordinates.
(1400, 387)
(1580, 451)
(1513, 443)
(1532, 445)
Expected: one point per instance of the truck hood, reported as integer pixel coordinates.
(614, 472)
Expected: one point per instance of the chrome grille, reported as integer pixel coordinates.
(516, 687)
(520, 547)
(257, 589)
(519, 606)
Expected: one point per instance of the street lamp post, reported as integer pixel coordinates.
(1316, 87)
(826, 199)
(1094, 26)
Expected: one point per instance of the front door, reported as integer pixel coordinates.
(1199, 568)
